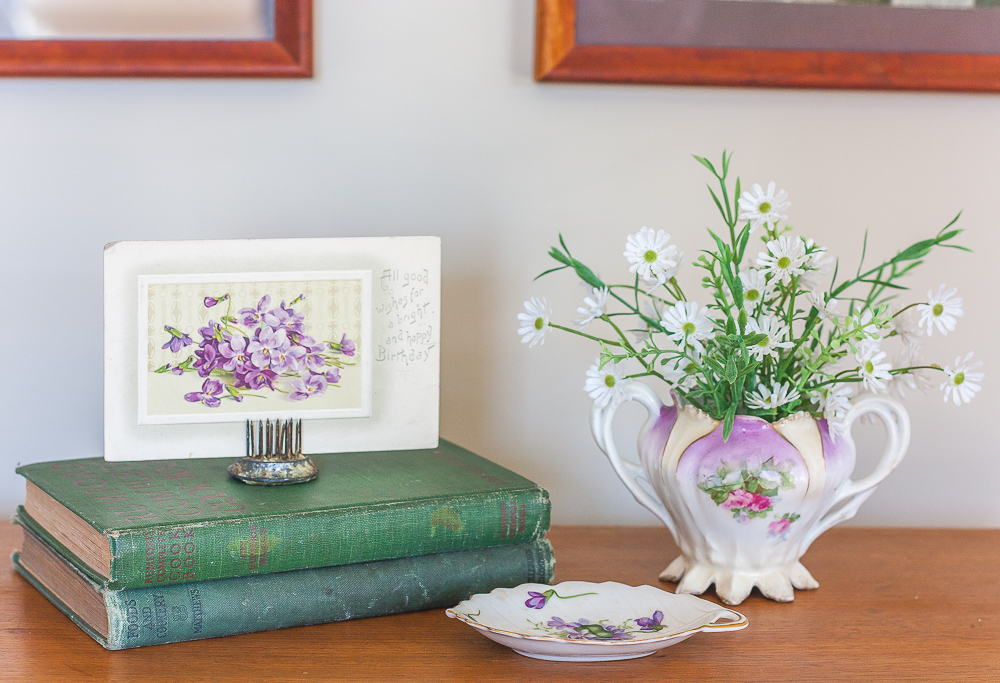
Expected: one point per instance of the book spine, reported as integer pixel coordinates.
(159, 556)
(208, 609)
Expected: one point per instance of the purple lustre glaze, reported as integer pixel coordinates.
(753, 441)
(653, 441)
(837, 454)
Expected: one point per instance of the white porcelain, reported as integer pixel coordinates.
(591, 622)
(744, 511)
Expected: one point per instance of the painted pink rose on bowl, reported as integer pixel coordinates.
(738, 498)
(779, 526)
(759, 503)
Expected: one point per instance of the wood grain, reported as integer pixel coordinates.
(894, 605)
(559, 58)
(287, 55)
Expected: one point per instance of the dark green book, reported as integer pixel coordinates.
(159, 523)
(135, 617)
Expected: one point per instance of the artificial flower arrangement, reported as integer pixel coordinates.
(781, 333)
(260, 349)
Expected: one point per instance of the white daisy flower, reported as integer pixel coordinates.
(593, 306)
(686, 323)
(835, 401)
(534, 322)
(825, 308)
(940, 311)
(668, 273)
(914, 380)
(778, 395)
(774, 329)
(606, 385)
(905, 326)
(756, 289)
(963, 383)
(651, 257)
(870, 368)
(786, 259)
(818, 266)
(759, 207)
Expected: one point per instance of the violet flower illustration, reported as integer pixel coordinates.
(211, 332)
(267, 342)
(284, 319)
(234, 353)
(289, 359)
(212, 301)
(302, 339)
(653, 623)
(209, 394)
(256, 350)
(601, 631)
(208, 359)
(315, 361)
(251, 317)
(178, 340)
(315, 385)
(347, 346)
(536, 600)
(256, 378)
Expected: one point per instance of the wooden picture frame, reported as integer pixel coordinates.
(561, 55)
(287, 55)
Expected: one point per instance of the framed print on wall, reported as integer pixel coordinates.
(861, 44)
(157, 38)
(200, 336)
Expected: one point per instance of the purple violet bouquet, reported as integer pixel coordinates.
(259, 349)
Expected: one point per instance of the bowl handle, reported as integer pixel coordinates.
(897, 425)
(630, 472)
(736, 622)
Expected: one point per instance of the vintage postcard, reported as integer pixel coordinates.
(201, 335)
(237, 346)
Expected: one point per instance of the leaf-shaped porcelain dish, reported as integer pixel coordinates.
(591, 622)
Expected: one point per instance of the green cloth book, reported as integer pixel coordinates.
(170, 613)
(159, 523)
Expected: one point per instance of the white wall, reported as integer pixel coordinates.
(423, 119)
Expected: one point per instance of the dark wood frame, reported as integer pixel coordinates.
(559, 58)
(287, 55)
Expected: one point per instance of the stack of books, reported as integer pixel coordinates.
(142, 553)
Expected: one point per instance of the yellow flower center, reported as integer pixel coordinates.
(938, 309)
(869, 367)
(609, 380)
(764, 342)
(688, 328)
(539, 323)
(764, 207)
(959, 378)
(784, 262)
(751, 295)
(650, 256)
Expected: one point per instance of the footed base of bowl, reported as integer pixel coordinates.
(733, 586)
(582, 658)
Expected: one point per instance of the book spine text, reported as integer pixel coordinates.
(207, 609)
(163, 556)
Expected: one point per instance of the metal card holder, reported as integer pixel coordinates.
(274, 455)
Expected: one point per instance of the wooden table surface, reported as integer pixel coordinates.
(893, 605)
